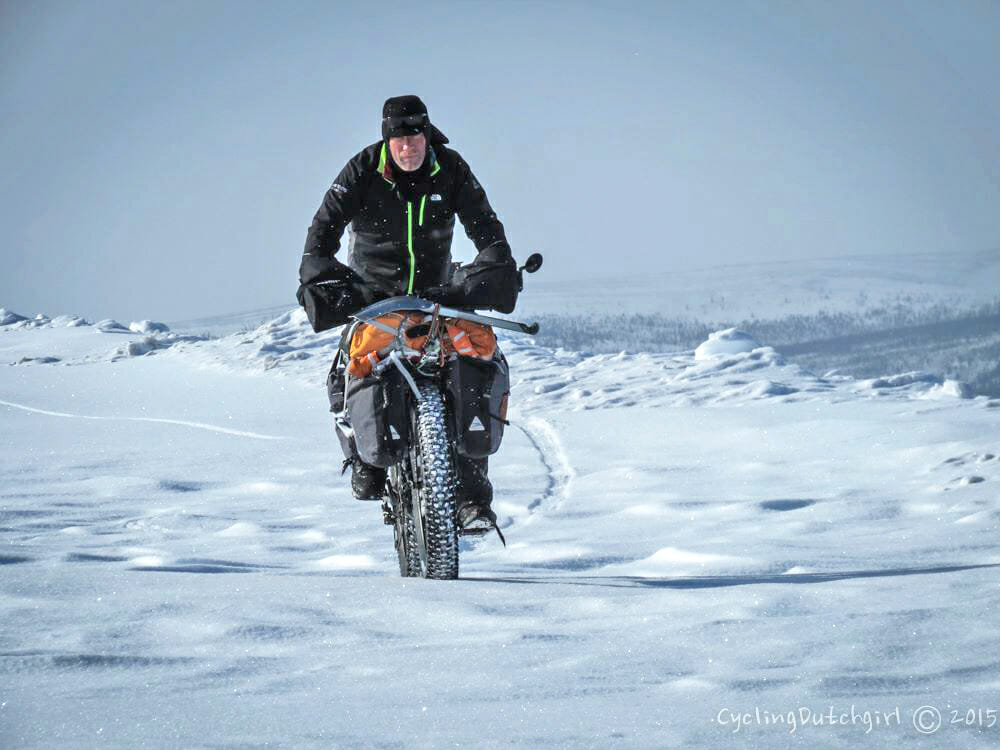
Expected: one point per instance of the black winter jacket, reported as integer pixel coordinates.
(400, 246)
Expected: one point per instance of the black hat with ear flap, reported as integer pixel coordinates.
(407, 115)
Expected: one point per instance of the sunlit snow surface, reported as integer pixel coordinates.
(688, 539)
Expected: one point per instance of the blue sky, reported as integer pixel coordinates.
(164, 159)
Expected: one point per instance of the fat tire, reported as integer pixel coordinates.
(403, 526)
(434, 493)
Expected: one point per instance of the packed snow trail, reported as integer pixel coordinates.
(747, 535)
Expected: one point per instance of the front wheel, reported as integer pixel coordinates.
(434, 488)
(401, 484)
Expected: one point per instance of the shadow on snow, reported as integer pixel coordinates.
(711, 582)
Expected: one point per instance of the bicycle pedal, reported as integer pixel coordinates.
(475, 531)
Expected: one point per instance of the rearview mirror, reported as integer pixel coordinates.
(533, 263)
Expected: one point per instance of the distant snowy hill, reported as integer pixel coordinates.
(694, 536)
(860, 316)
(851, 284)
(773, 290)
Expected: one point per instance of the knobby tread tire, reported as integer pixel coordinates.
(404, 532)
(437, 488)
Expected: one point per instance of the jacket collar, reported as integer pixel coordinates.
(385, 164)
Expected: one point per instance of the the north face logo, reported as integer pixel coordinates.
(435, 197)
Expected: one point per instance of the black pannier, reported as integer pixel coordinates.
(478, 391)
(376, 410)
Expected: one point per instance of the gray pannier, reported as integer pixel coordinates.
(478, 391)
(376, 411)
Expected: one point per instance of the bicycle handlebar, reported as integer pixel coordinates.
(418, 304)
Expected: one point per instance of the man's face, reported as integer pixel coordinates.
(408, 151)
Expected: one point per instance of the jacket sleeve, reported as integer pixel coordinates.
(329, 290)
(341, 202)
(480, 221)
(491, 280)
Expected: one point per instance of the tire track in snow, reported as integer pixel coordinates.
(559, 473)
(196, 425)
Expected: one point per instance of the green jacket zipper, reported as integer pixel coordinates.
(409, 245)
(409, 237)
(409, 215)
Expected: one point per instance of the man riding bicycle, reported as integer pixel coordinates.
(398, 199)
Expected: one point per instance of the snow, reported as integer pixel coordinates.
(110, 326)
(950, 389)
(148, 326)
(725, 342)
(8, 317)
(183, 565)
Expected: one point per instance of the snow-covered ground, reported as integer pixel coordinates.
(700, 544)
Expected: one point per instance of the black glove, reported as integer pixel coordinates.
(331, 299)
(328, 303)
(487, 285)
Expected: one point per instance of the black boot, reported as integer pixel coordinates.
(472, 516)
(475, 494)
(367, 481)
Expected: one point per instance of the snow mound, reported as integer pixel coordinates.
(110, 326)
(9, 317)
(285, 344)
(68, 321)
(724, 343)
(731, 364)
(148, 326)
(950, 389)
(15, 321)
(19, 322)
(758, 389)
(136, 348)
(916, 384)
(295, 319)
(671, 561)
(903, 379)
(37, 360)
(149, 344)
